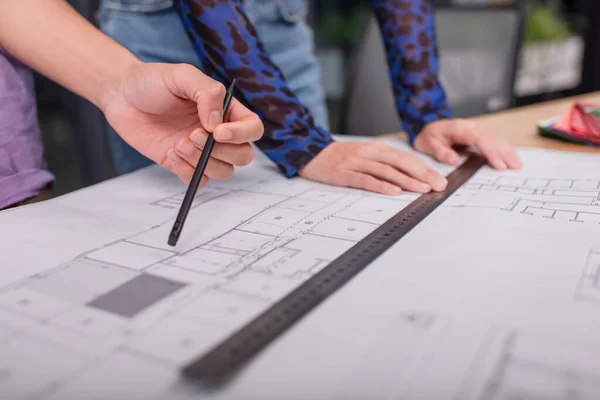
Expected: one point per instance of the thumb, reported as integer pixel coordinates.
(190, 83)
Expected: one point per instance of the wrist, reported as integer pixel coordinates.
(298, 151)
(109, 85)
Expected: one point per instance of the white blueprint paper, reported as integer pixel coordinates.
(494, 296)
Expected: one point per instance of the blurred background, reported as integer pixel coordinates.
(505, 54)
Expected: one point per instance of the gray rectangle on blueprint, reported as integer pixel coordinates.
(136, 295)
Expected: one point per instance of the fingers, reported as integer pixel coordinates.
(410, 164)
(234, 154)
(243, 125)
(439, 149)
(511, 158)
(462, 131)
(444, 153)
(190, 83)
(215, 169)
(499, 152)
(438, 138)
(362, 181)
(393, 176)
(182, 169)
(493, 155)
(361, 165)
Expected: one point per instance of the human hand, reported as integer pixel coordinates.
(372, 166)
(166, 111)
(437, 139)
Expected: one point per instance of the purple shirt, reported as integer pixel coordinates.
(23, 172)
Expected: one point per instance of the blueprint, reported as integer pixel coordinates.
(494, 296)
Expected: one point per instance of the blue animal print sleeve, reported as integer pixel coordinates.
(228, 47)
(408, 30)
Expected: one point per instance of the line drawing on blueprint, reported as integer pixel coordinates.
(155, 307)
(201, 197)
(575, 200)
(511, 365)
(589, 284)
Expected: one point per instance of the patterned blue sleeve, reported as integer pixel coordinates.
(228, 47)
(407, 27)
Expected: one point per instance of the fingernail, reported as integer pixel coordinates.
(519, 164)
(396, 190)
(198, 138)
(173, 155)
(440, 183)
(186, 148)
(224, 135)
(423, 187)
(214, 119)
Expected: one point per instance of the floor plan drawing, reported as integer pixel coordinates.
(512, 365)
(576, 200)
(143, 298)
(91, 290)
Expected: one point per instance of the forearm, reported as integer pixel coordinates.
(228, 47)
(409, 35)
(53, 39)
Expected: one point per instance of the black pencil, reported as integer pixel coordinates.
(195, 182)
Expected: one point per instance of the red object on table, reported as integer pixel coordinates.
(581, 121)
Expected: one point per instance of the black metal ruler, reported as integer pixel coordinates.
(215, 367)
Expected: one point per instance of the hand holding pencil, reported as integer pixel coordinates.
(232, 131)
(198, 175)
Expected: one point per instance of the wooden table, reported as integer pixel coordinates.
(519, 124)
